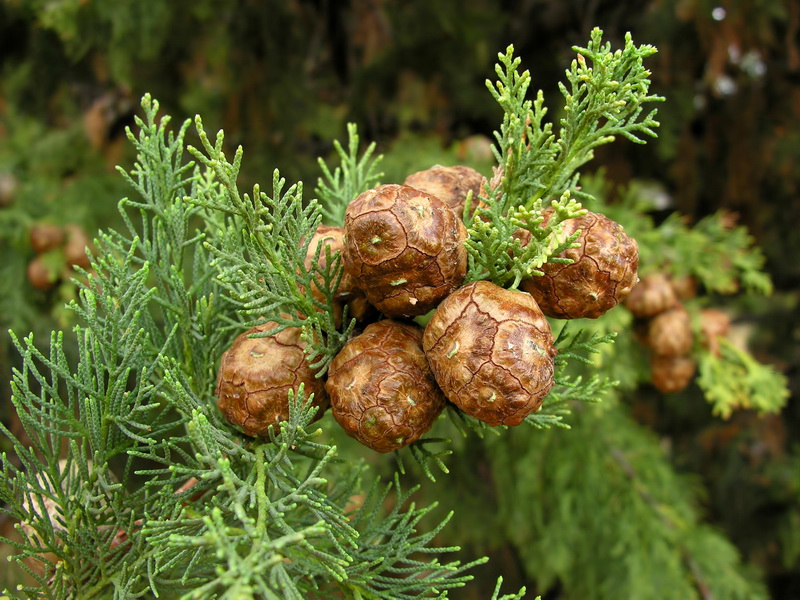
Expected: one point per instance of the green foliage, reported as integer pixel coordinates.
(262, 251)
(132, 484)
(604, 501)
(496, 250)
(735, 380)
(721, 255)
(348, 180)
(714, 242)
(604, 99)
(570, 388)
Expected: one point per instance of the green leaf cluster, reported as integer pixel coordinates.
(604, 98)
(607, 503)
(734, 380)
(130, 484)
(354, 175)
(261, 254)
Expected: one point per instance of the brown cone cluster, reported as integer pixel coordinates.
(58, 249)
(664, 326)
(487, 350)
(602, 273)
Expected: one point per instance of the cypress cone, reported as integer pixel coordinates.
(669, 333)
(404, 248)
(652, 295)
(491, 351)
(602, 274)
(671, 374)
(714, 324)
(46, 236)
(381, 390)
(449, 184)
(256, 374)
(346, 293)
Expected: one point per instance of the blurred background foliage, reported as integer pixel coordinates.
(283, 77)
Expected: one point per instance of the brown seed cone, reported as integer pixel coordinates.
(670, 332)
(685, 286)
(381, 389)
(347, 292)
(8, 189)
(46, 236)
(714, 324)
(332, 237)
(75, 248)
(256, 374)
(652, 295)
(603, 272)
(449, 184)
(491, 351)
(672, 374)
(404, 248)
(40, 275)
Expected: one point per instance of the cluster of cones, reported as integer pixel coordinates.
(485, 349)
(664, 325)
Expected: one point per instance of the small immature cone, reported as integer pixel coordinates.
(75, 248)
(256, 374)
(449, 184)
(652, 295)
(671, 374)
(381, 389)
(714, 324)
(46, 236)
(602, 274)
(669, 333)
(40, 275)
(404, 248)
(492, 353)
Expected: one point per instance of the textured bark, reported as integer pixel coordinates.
(449, 184)
(492, 352)
(381, 390)
(602, 274)
(404, 248)
(255, 377)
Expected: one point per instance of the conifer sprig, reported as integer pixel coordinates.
(354, 175)
(262, 255)
(508, 243)
(735, 380)
(568, 388)
(133, 483)
(604, 97)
